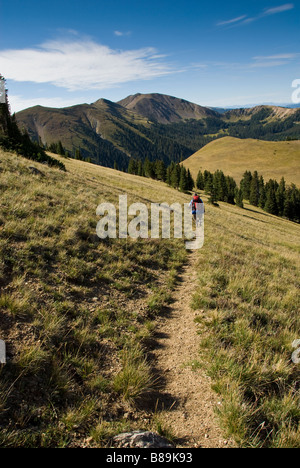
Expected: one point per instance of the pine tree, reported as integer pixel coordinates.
(140, 169)
(183, 181)
(175, 176)
(60, 149)
(190, 181)
(132, 166)
(280, 196)
(208, 178)
(254, 190)
(245, 184)
(231, 189)
(239, 198)
(168, 175)
(160, 170)
(271, 203)
(200, 181)
(262, 193)
(148, 169)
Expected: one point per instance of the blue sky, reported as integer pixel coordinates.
(213, 53)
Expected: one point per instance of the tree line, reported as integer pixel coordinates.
(13, 139)
(174, 174)
(275, 198)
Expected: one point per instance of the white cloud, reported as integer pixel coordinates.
(273, 60)
(121, 33)
(267, 12)
(81, 65)
(277, 57)
(279, 9)
(232, 21)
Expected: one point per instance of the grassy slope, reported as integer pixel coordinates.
(235, 156)
(247, 305)
(77, 313)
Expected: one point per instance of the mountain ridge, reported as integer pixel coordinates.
(165, 109)
(153, 126)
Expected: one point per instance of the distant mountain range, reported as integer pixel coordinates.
(221, 110)
(153, 126)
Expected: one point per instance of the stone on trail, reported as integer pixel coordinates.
(139, 439)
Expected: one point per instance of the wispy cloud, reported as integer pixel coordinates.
(245, 19)
(81, 65)
(232, 21)
(273, 60)
(279, 9)
(277, 57)
(122, 33)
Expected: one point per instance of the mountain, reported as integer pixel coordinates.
(268, 113)
(104, 131)
(152, 126)
(234, 156)
(165, 109)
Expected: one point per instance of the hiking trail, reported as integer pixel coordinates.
(185, 393)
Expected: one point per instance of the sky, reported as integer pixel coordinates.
(213, 53)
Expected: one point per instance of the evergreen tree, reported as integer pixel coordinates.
(262, 193)
(245, 184)
(271, 203)
(200, 181)
(254, 190)
(231, 189)
(168, 175)
(280, 196)
(183, 181)
(220, 185)
(190, 181)
(160, 170)
(60, 149)
(175, 176)
(148, 169)
(239, 198)
(208, 178)
(140, 169)
(292, 204)
(132, 166)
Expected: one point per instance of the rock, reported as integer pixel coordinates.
(140, 439)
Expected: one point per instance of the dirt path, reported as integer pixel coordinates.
(186, 393)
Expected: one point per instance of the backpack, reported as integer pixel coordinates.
(196, 200)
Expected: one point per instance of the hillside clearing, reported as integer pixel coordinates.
(234, 156)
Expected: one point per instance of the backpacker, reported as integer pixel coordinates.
(196, 199)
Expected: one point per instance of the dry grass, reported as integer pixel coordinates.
(75, 311)
(234, 156)
(248, 303)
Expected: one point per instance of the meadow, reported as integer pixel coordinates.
(248, 310)
(79, 314)
(75, 311)
(272, 159)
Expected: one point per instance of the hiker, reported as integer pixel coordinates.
(196, 210)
